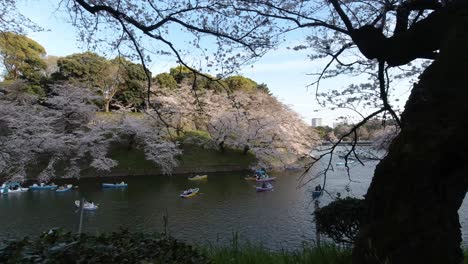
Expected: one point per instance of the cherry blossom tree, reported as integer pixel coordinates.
(64, 129)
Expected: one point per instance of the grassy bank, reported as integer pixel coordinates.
(327, 254)
(122, 246)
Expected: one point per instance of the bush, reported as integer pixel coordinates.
(236, 83)
(198, 138)
(57, 246)
(340, 220)
(165, 80)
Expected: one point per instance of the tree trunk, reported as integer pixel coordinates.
(221, 146)
(106, 106)
(417, 189)
(246, 150)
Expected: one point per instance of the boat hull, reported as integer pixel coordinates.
(113, 185)
(198, 177)
(8, 191)
(194, 192)
(86, 206)
(316, 194)
(266, 180)
(260, 189)
(64, 190)
(45, 187)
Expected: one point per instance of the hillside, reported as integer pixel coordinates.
(90, 117)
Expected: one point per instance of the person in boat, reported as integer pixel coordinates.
(318, 188)
(264, 185)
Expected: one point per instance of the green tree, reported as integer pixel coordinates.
(165, 80)
(84, 67)
(133, 90)
(21, 57)
(323, 131)
(264, 88)
(240, 83)
(180, 73)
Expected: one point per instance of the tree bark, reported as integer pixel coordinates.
(417, 189)
(106, 106)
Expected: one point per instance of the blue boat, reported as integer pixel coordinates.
(344, 163)
(115, 185)
(12, 187)
(316, 194)
(36, 187)
(64, 188)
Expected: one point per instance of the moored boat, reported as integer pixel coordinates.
(12, 187)
(87, 206)
(64, 188)
(115, 185)
(265, 187)
(316, 194)
(42, 186)
(268, 179)
(198, 177)
(344, 163)
(189, 193)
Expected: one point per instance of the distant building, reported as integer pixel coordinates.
(316, 122)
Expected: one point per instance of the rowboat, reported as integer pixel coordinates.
(64, 189)
(36, 187)
(87, 206)
(12, 187)
(344, 163)
(261, 189)
(114, 185)
(189, 193)
(269, 179)
(316, 194)
(198, 177)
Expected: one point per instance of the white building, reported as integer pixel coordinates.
(316, 122)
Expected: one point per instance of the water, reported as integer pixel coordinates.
(227, 205)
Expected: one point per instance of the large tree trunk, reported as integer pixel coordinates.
(417, 189)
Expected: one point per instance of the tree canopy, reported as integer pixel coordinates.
(22, 57)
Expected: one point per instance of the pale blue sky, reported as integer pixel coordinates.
(283, 70)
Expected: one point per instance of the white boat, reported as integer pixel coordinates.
(65, 188)
(87, 206)
(115, 185)
(12, 187)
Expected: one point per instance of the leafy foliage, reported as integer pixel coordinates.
(340, 220)
(180, 73)
(165, 80)
(57, 246)
(21, 57)
(240, 83)
(81, 67)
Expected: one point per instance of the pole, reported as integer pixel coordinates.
(81, 215)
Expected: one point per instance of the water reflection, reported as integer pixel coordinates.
(227, 205)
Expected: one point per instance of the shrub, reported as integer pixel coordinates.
(57, 246)
(241, 83)
(340, 220)
(165, 80)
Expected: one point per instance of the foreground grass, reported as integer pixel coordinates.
(327, 254)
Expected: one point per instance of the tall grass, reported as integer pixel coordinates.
(248, 253)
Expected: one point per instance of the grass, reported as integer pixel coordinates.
(326, 254)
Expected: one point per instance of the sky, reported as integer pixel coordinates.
(286, 72)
